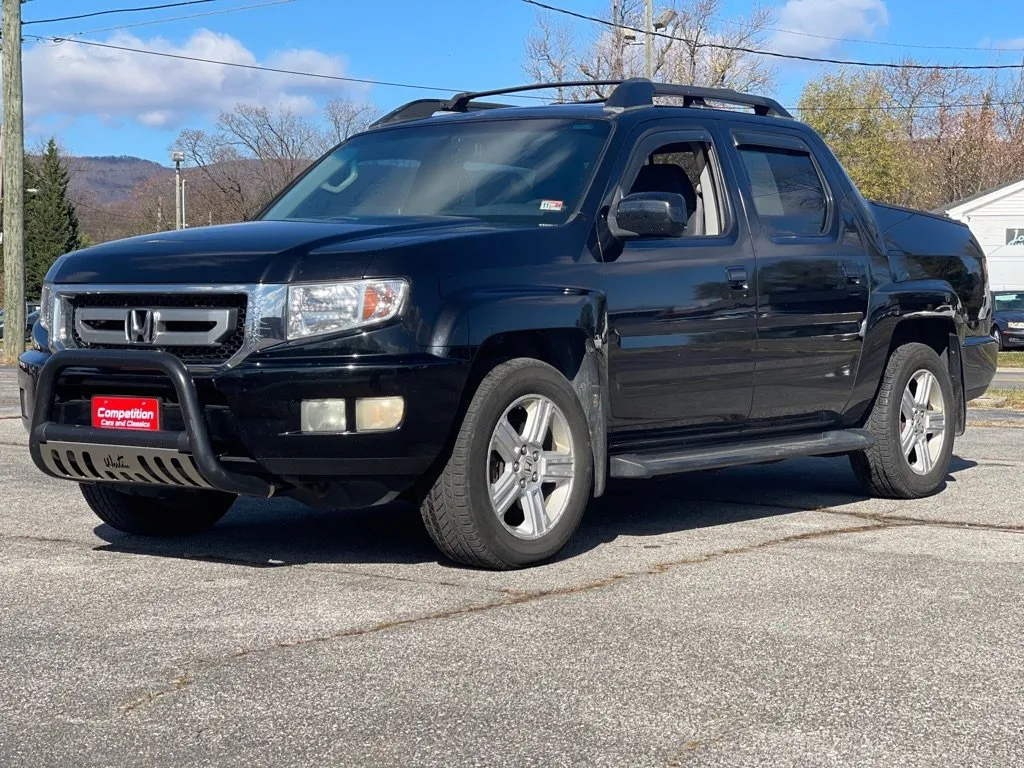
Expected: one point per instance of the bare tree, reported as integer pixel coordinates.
(253, 152)
(344, 118)
(550, 54)
(224, 176)
(706, 52)
(698, 48)
(966, 131)
(283, 142)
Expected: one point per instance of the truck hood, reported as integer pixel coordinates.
(254, 252)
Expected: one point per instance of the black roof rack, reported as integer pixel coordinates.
(416, 110)
(459, 102)
(638, 92)
(642, 92)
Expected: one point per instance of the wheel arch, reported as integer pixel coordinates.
(924, 311)
(564, 327)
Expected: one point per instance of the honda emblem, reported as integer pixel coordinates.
(138, 326)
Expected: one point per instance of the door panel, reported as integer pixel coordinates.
(812, 282)
(681, 309)
(683, 339)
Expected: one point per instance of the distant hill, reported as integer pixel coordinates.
(105, 180)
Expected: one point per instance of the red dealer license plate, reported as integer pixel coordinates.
(142, 413)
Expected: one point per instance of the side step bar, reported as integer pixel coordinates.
(638, 465)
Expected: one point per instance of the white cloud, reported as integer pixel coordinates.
(830, 18)
(1012, 45)
(73, 80)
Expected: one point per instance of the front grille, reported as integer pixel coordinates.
(214, 354)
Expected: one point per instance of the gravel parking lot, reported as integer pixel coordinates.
(758, 616)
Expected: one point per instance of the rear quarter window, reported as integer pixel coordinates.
(788, 193)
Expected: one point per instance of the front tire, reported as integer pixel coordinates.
(912, 421)
(520, 474)
(998, 336)
(164, 512)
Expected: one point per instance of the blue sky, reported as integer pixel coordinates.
(100, 102)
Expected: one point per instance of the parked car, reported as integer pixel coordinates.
(31, 315)
(492, 310)
(1008, 319)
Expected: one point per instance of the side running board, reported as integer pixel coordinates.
(717, 457)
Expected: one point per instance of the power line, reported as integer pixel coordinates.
(256, 67)
(181, 18)
(991, 49)
(774, 54)
(116, 10)
(436, 89)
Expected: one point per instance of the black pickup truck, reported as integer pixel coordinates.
(492, 310)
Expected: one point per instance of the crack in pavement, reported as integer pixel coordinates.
(918, 521)
(181, 681)
(512, 598)
(44, 540)
(831, 510)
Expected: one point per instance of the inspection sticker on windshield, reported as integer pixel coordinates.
(551, 205)
(126, 413)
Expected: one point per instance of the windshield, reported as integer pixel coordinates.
(1009, 302)
(519, 171)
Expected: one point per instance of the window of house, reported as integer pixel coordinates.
(788, 192)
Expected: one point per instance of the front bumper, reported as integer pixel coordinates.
(1013, 339)
(239, 430)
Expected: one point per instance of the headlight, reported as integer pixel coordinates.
(1015, 326)
(320, 308)
(46, 307)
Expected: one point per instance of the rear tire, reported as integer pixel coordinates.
(166, 512)
(520, 474)
(912, 421)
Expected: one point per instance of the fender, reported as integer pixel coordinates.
(892, 306)
(472, 318)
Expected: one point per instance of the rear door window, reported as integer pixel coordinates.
(788, 192)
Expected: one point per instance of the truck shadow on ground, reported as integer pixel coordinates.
(281, 532)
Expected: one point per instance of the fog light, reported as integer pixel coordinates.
(378, 414)
(323, 416)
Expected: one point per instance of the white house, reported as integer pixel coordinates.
(996, 217)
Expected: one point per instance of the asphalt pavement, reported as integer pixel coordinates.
(759, 616)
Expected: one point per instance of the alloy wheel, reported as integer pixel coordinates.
(922, 422)
(531, 466)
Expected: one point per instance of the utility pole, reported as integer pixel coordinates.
(649, 38)
(177, 157)
(13, 182)
(617, 68)
(184, 224)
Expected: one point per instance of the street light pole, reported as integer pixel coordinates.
(179, 215)
(649, 42)
(13, 181)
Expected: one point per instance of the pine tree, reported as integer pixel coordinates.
(51, 223)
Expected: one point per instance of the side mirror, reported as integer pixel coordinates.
(652, 214)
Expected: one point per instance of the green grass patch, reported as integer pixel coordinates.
(1011, 359)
